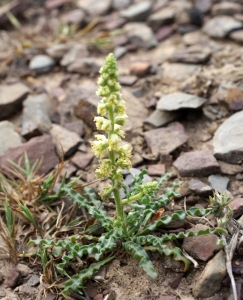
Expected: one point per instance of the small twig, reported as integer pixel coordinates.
(195, 263)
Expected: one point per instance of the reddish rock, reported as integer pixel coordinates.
(98, 297)
(197, 163)
(156, 170)
(201, 247)
(237, 206)
(231, 95)
(139, 68)
(13, 278)
(229, 169)
(81, 159)
(163, 33)
(200, 188)
(37, 147)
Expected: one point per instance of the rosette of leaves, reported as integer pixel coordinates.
(134, 231)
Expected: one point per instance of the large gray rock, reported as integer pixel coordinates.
(140, 34)
(173, 72)
(221, 26)
(227, 141)
(8, 136)
(179, 100)
(161, 17)
(36, 112)
(159, 118)
(195, 54)
(218, 182)
(41, 64)
(138, 11)
(210, 280)
(11, 98)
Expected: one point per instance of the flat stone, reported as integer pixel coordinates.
(8, 136)
(33, 280)
(37, 147)
(24, 269)
(197, 163)
(160, 118)
(178, 72)
(210, 280)
(194, 54)
(218, 182)
(41, 64)
(11, 98)
(59, 50)
(163, 16)
(136, 159)
(52, 4)
(163, 33)
(76, 52)
(50, 296)
(140, 34)
(203, 6)
(200, 188)
(138, 11)
(36, 112)
(128, 80)
(165, 140)
(118, 4)
(81, 159)
(139, 68)
(120, 51)
(84, 66)
(179, 100)
(69, 141)
(201, 247)
(68, 170)
(226, 8)
(237, 206)
(226, 142)
(115, 24)
(195, 37)
(156, 170)
(230, 95)
(13, 277)
(237, 36)
(229, 169)
(94, 7)
(221, 26)
(27, 291)
(76, 16)
(77, 127)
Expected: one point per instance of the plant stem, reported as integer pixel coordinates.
(133, 198)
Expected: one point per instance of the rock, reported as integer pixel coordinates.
(115, 24)
(134, 172)
(98, 297)
(164, 16)
(195, 37)
(82, 160)
(226, 143)
(203, 6)
(139, 68)
(229, 169)
(173, 72)
(237, 36)
(52, 4)
(37, 147)
(76, 127)
(75, 53)
(218, 182)
(163, 33)
(179, 100)
(94, 7)
(118, 4)
(128, 79)
(201, 247)
(221, 26)
(226, 8)
(210, 280)
(140, 34)
(84, 66)
(33, 280)
(237, 206)
(59, 50)
(138, 11)
(76, 16)
(194, 54)
(68, 170)
(197, 163)
(8, 136)
(120, 51)
(41, 64)
(136, 159)
(11, 98)
(156, 170)
(13, 278)
(36, 112)
(230, 95)
(65, 140)
(50, 296)
(159, 118)
(165, 140)
(24, 269)
(26, 291)
(200, 188)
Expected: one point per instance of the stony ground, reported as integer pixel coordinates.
(180, 65)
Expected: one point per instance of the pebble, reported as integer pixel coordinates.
(200, 188)
(138, 11)
(11, 98)
(84, 66)
(82, 160)
(226, 8)
(197, 163)
(195, 54)
(76, 127)
(201, 247)
(136, 159)
(120, 51)
(226, 143)
(160, 118)
(8, 136)
(68, 170)
(218, 182)
(203, 6)
(161, 17)
(156, 170)
(76, 16)
(120, 4)
(76, 52)
(237, 36)
(13, 278)
(41, 64)
(128, 80)
(140, 34)
(221, 26)
(166, 140)
(210, 280)
(195, 37)
(179, 100)
(229, 169)
(139, 68)
(237, 206)
(59, 50)
(37, 147)
(26, 291)
(94, 7)
(65, 140)
(231, 95)
(33, 280)
(35, 118)
(173, 72)
(52, 4)
(163, 33)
